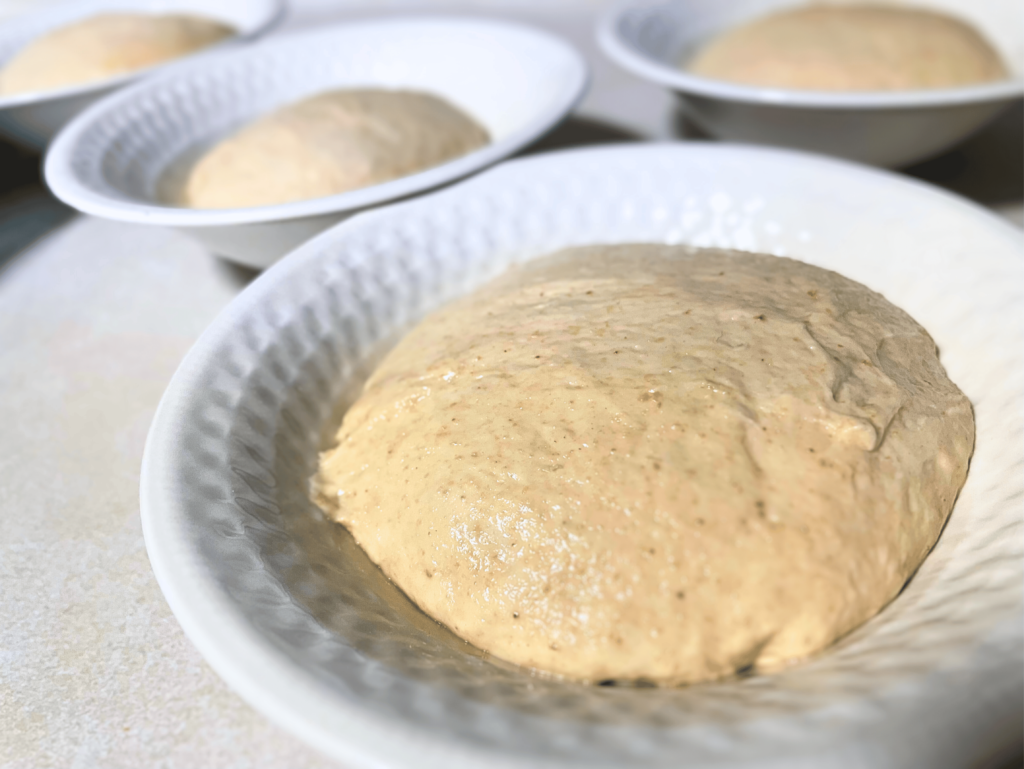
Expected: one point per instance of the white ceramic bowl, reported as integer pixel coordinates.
(295, 617)
(650, 37)
(32, 119)
(114, 159)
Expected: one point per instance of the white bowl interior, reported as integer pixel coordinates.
(670, 32)
(507, 77)
(292, 613)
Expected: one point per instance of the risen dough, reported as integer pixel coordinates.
(851, 48)
(106, 45)
(331, 143)
(626, 462)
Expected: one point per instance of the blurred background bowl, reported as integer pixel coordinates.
(124, 158)
(891, 128)
(32, 119)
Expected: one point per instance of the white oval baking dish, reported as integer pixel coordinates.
(114, 160)
(887, 128)
(32, 119)
(296, 618)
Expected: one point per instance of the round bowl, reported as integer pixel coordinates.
(32, 119)
(296, 618)
(121, 159)
(885, 128)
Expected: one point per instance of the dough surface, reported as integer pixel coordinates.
(851, 48)
(331, 143)
(106, 45)
(653, 462)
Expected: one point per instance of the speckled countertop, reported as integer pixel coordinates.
(94, 317)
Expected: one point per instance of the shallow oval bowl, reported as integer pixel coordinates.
(295, 617)
(121, 159)
(32, 119)
(651, 38)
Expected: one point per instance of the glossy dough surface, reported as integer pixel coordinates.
(653, 462)
(851, 48)
(331, 143)
(106, 45)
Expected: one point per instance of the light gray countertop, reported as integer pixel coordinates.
(94, 318)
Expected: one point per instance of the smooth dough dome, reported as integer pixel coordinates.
(106, 45)
(331, 143)
(653, 462)
(851, 48)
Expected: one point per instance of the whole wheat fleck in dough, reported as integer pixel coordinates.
(105, 45)
(331, 143)
(851, 48)
(644, 461)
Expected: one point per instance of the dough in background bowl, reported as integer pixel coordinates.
(106, 45)
(653, 462)
(331, 143)
(851, 48)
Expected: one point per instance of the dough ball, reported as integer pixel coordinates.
(653, 462)
(331, 143)
(851, 48)
(106, 45)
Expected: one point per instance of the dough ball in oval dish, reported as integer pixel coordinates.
(653, 462)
